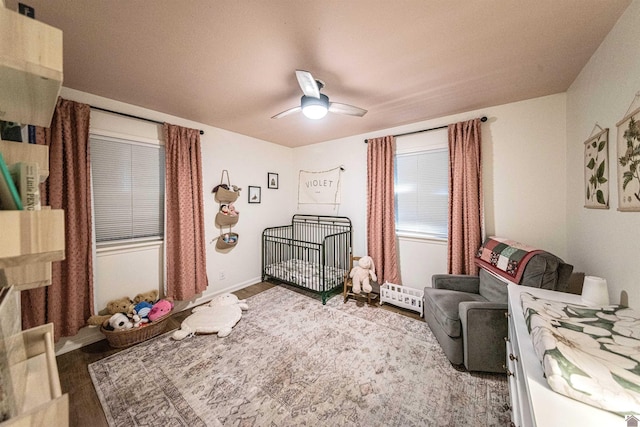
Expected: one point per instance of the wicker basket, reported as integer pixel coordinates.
(226, 196)
(223, 195)
(221, 244)
(129, 337)
(223, 220)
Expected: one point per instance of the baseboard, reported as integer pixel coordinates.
(91, 334)
(87, 335)
(209, 294)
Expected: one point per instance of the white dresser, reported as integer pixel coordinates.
(533, 403)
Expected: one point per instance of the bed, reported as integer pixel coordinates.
(312, 253)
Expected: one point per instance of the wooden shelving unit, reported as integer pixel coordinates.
(30, 82)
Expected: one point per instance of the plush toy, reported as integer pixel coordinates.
(120, 305)
(120, 321)
(224, 209)
(231, 210)
(220, 315)
(151, 297)
(159, 309)
(215, 189)
(227, 238)
(361, 273)
(226, 187)
(140, 313)
(143, 308)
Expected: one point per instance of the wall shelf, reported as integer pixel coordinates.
(14, 152)
(31, 240)
(30, 237)
(29, 379)
(30, 69)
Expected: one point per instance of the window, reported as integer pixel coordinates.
(422, 193)
(128, 189)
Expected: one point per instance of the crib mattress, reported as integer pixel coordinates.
(307, 274)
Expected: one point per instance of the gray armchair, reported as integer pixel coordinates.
(467, 313)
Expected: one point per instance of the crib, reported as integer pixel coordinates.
(312, 253)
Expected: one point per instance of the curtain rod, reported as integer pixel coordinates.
(132, 116)
(482, 119)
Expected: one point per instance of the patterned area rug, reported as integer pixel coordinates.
(291, 361)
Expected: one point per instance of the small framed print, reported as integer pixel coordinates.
(272, 180)
(254, 194)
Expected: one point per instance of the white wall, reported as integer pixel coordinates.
(523, 177)
(128, 272)
(605, 243)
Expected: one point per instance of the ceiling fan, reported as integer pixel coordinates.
(314, 104)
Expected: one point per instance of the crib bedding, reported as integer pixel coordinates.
(306, 274)
(591, 354)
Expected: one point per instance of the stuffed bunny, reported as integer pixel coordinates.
(361, 273)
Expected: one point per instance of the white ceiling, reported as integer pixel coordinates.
(231, 63)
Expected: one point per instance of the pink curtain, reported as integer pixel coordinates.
(184, 238)
(465, 196)
(68, 301)
(381, 221)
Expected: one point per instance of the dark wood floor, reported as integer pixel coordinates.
(84, 406)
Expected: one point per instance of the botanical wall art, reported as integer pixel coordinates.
(629, 162)
(596, 170)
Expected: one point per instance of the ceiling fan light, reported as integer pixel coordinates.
(314, 112)
(315, 108)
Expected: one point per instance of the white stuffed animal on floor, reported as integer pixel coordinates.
(217, 316)
(361, 273)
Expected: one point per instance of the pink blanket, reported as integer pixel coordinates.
(506, 258)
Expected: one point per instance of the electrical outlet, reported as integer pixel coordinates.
(221, 275)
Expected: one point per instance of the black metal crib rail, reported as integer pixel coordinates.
(313, 252)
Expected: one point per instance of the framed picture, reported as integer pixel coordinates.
(254, 194)
(272, 180)
(628, 141)
(596, 171)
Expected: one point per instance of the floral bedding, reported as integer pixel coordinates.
(591, 354)
(306, 274)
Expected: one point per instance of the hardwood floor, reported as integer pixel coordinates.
(84, 406)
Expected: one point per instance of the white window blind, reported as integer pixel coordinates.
(422, 194)
(128, 189)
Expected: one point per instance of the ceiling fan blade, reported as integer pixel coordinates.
(339, 108)
(287, 112)
(308, 84)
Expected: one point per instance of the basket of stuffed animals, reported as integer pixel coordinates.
(130, 322)
(222, 195)
(227, 241)
(225, 193)
(227, 216)
(128, 337)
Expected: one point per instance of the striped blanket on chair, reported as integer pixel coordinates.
(506, 258)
